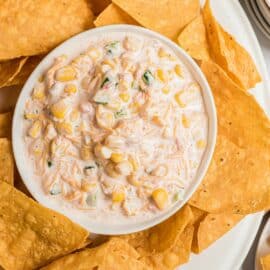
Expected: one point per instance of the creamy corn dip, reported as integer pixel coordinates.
(118, 131)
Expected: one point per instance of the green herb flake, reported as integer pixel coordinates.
(49, 163)
(105, 81)
(148, 77)
(120, 113)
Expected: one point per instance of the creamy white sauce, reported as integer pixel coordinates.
(131, 121)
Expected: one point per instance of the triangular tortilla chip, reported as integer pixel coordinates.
(229, 54)
(265, 262)
(26, 70)
(32, 235)
(163, 236)
(238, 179)
(176, 255)
(113, 15)
(98, 6)
(6, 162)
(194, 41)
(9, 69)
(114, 254)
(5, 124)
(167, 17)
(211, 228)
(34, 27)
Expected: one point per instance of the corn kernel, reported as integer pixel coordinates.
(161, 75)
(133, 180)
(124, 96)
(94, 53)
(105, 120)
(160, 197)
(109, 62)
(65, 74)
(162, 53)
(118, 196)
(103, 151)
(117, 157)
(110, 170)
(178, 99)
(165, 90)
(124, 168)
(178, 71)
(201, 144)
(30, 116)
(86, 186)
(35, 130)
(185, 121)
(134, 163)
(157, 120)
(65, 128)
(59, 109)
(39, 93)
(114, 105)
(71, 89)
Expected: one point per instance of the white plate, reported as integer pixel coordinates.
(263, 248)
(229, 251)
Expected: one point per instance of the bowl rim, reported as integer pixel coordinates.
(191, 65)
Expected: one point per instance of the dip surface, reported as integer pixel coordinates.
(118, 131)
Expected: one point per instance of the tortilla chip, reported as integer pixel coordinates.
(5, 124)
(163, 236)
(32, 235)
(176, 255)
(34, 27)
(98, 6)
(167, 17)
(229, 54)
(9, 69)
(211, 228)
(114, 254)
(238, 179)
(6, 162)
(198, 216)
(113, 15)
(265, 262)
(194, 41)
(26, 70)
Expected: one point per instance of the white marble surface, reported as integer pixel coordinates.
(265, 45)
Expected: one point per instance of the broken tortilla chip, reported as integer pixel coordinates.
(176, 255)
(32, 235)
(211, 228)
(9, 69)
(113, 15)
(167, 17)
(229, 54)
(114, 254)
(5, 124)
(238, 179)
(194, 41)
(98, 6)
(39, 26)
(265, 262)
(26, 70)
(6, 162)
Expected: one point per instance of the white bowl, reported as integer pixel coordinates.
(72, 46)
